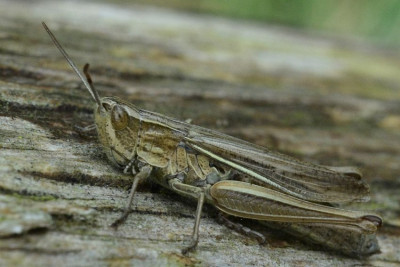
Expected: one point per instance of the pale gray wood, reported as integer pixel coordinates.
(324, 99)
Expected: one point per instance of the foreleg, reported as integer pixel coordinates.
(143, 173)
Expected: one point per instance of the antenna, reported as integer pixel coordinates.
(88, 85)
(88, 77)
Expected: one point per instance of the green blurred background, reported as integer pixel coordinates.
(375, 20)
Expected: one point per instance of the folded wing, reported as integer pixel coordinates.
(283, 173)
(270, 169)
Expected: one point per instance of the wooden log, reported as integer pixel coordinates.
(320, 98)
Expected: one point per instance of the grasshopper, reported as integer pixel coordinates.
(235, 176)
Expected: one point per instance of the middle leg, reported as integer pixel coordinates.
(197, 193)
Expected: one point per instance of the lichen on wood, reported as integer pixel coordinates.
(329, 101)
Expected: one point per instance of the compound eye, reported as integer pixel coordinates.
(119, 118)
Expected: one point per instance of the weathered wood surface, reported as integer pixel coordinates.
(327, 100)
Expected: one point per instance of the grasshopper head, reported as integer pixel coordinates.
(118, 125)
(117, 121)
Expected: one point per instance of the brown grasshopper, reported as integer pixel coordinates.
(237, 177)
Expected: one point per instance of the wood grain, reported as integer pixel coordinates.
(320, 98)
